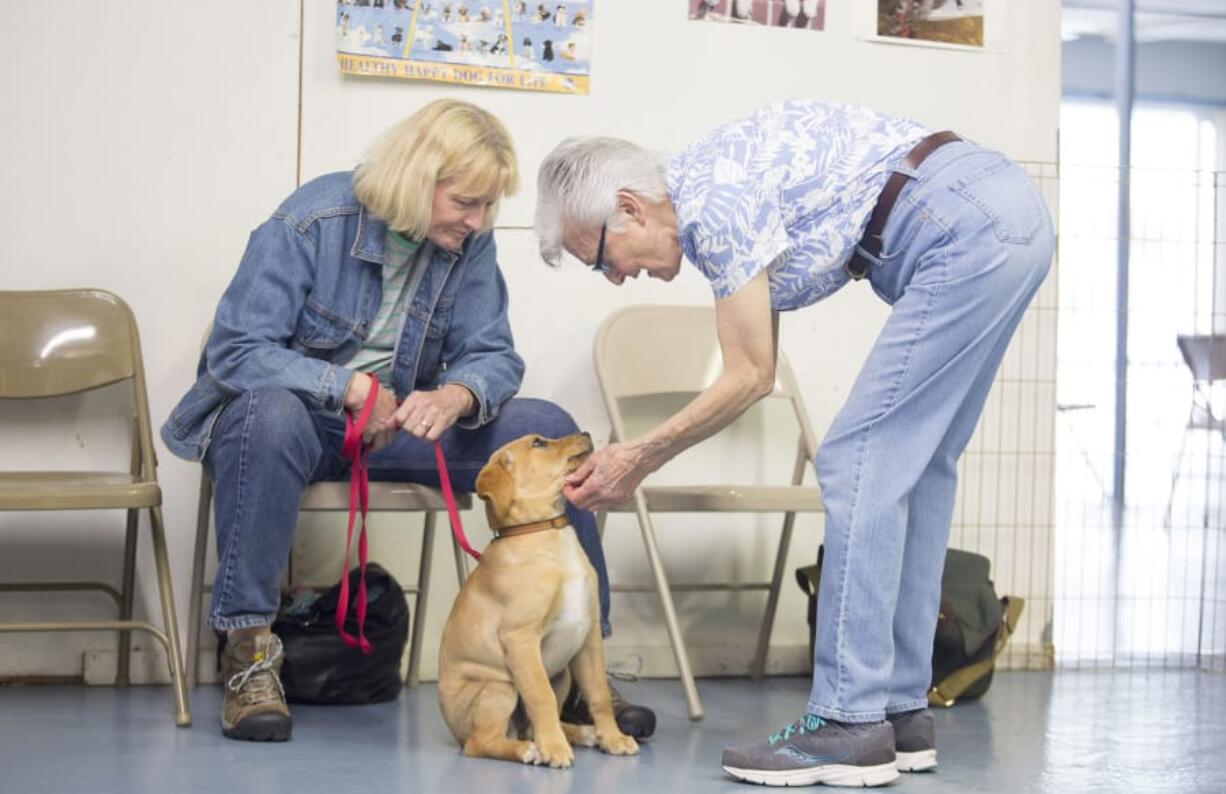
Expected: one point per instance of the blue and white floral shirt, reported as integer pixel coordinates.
(788, 188)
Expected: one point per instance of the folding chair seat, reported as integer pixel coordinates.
(672, 351)
(63, 342)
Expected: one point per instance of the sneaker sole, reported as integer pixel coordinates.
(920, 761)
(830, 775)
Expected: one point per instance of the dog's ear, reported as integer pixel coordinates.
(494, 483)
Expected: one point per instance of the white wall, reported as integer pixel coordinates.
(145, 140)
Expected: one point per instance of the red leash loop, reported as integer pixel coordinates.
(453, 512)
(355, 451)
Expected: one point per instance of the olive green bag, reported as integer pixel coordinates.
(973, 625)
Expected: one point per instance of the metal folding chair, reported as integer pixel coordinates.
(61, 342)
(390, 497)
(647, 351)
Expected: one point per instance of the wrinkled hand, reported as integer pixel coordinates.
(608, 476)
(428, 414)
(379, 431)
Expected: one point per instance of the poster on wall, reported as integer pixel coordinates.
(805, 14)
(497, 43)
(941, 22)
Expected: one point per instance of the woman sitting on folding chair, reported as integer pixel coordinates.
(389, 273)
(779, 210)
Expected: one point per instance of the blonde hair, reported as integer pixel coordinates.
(445, 140)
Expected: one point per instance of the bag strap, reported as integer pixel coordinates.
(947, 692)
(354, 450)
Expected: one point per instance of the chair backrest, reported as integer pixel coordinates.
(1205, 355)
(662, 350)
(58, 342)
(63, 342)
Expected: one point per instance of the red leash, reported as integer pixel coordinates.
(353, 449)
(449, 497)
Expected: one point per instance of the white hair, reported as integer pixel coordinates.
(578, 183)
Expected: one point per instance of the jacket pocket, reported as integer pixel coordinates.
(320, 332)
(1003, 192)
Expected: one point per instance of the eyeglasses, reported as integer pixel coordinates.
(599, 265)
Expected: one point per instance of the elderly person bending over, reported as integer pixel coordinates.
(777, 211)
(389, 272)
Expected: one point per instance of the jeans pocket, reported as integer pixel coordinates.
(1003, 192)
(895, 242)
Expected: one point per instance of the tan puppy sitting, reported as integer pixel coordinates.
(528, 619)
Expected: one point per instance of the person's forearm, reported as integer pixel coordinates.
(708, 413)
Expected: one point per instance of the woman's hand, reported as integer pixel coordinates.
(428, 414)
(608, 476)
(378, 432)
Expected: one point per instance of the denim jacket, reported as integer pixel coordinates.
(303, 300)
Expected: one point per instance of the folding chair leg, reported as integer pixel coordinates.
(461, 561)
(127, 597)
(1183, 441)
(772, 599)
(197, 586)
(419, 603)
(178, 680)
(758, 668)
(666, 602)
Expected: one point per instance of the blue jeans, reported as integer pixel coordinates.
(965, 249)
(267, 446)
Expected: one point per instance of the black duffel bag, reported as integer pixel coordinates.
(319, 667)
(972, 626)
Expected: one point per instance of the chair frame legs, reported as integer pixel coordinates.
(419, 591)
(419, 603)
(665, 591)
(758, 668)
(162, 561)
(124, 600)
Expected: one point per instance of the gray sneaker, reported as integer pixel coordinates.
(812, 750)
(914, 740)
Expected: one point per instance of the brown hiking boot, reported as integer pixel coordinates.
(253, 702)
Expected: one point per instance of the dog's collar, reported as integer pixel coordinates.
(557, 522)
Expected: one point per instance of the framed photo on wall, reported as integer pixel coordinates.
(803, 14)
(496, 43)
(956, 24)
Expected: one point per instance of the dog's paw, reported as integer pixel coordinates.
(528, 754)
(619, 744)
(556, 752)
(581, 735)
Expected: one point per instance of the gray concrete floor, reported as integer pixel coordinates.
(1066, 732)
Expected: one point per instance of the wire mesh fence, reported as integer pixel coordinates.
(1141, 588)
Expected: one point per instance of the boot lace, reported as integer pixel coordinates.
(259, 682)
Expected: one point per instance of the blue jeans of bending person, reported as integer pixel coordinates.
(267, 446)
(966, 247)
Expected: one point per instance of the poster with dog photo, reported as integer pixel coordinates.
(496, 43)
(943, 22)
(803, 14)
